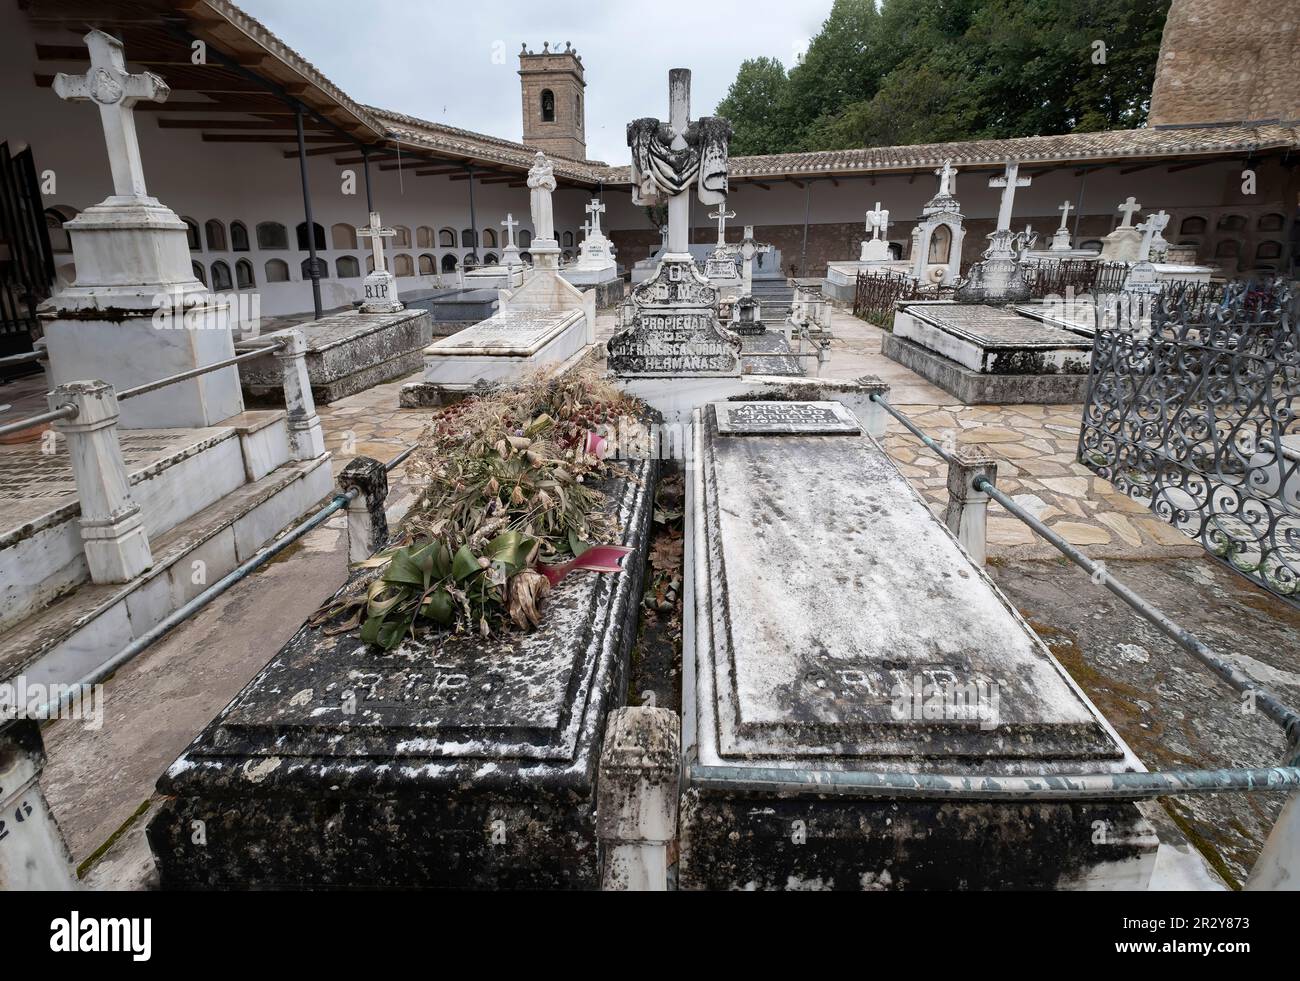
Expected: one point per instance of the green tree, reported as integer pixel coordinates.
(842, 64)
(753, 104)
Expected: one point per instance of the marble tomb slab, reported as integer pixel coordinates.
(816, 622)
(451, 762)
(504, 348)
(451, 310)
(768, 354)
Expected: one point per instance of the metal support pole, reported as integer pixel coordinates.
(1078, 209)
(473, 219)
(311, 224)
(807, 215)
(365, 163)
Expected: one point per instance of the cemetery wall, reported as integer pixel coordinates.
(1228, 62)
(1207, 206)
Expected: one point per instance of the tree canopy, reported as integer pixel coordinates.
(930, 71)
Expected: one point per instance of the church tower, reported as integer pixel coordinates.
(1226, 61)
(554, 92)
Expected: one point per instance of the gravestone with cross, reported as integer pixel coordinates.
(1061, 238)
(380, 286)
(876, 248)
(132, 257)
(595, 263)
(674, 330)
(510, 255)
(941, 213)
(1125, 242)
(1142, 277)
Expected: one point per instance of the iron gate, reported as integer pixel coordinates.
(26, 259)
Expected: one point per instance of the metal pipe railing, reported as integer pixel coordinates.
(25, 358)
(153, 386)
(63, 412)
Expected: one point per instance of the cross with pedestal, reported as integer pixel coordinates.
(1065, 209)
(510, 225)
(1130, 208)
(595, 209)
(380, 287)
(721, 216)
(1009, 181)
(1061, 240)
(377, 233)
(1151, 229)
(108, 85)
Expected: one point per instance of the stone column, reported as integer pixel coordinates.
(968, 507)
(636, 798)
(875, 418)
(367, 519)
(33, 854)
(306, 437)
(117, 549)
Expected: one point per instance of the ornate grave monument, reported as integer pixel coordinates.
(720, 267)
(999, 277)
(1142, 277)
(674, 329)
(943, 211)
(1061, 238)
(380, 286)
(842, 277)
(132, 259)
(829, 658)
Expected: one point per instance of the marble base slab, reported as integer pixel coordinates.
(993, 340)
(504, 348)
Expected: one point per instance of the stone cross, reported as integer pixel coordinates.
(945, 174)
(721, 215)
(1009, 182)
(595, 209)
(378, 233)
(877, 222)
(1150, 229)
(1129, 207)
(1065, 210)
(587, 229)
(510, 225)
(108, 85)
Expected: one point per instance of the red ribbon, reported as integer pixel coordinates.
(599, 558)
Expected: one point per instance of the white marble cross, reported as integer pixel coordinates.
(945, 174)
(1129, 207)
(721, 216)
(1150, 229)
(377, 233)
(587, 228)
(108, 85)
(595, 209)
(1065, 209)
(877, 222)
(510, 225)
(1009, 182)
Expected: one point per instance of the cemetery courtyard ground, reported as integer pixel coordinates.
(1171, 711)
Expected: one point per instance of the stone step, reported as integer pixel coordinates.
(76, 633)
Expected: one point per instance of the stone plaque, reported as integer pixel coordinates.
(674, 331)
(785, 418)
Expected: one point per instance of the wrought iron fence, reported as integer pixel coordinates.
(1195, 414)
(877, 293)
(1063, 277)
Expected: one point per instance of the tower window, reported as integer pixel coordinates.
(548, 106)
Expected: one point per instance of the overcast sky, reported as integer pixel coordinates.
(435, 58)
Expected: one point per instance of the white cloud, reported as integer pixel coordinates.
(435, 60)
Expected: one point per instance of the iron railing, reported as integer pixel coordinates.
(1196, 414)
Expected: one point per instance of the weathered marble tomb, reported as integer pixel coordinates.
(989, 355)
(846, 638)
(452, 762)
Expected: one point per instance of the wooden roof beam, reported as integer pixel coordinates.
(260, 138)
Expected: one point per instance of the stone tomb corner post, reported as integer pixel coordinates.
(967, 512)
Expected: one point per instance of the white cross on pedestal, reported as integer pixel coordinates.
(378, 233)
(595, 209)
(1009, 182)
(877, 222)
(1129, 207)
(587, 229)
(1151, 229)
(721, 216)
(945, 174)
(1065, 209)
(108, 85)
(510, 225)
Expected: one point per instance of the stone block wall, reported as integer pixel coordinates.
(561, 72)
(1228, 61)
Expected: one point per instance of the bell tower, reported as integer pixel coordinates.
(554, 94)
